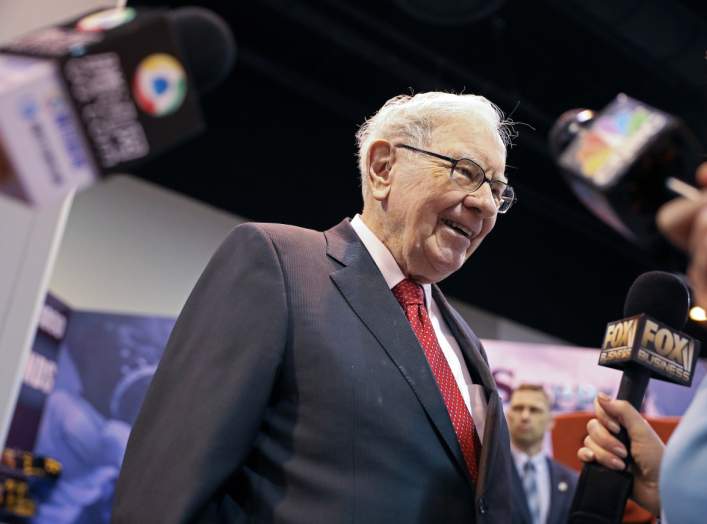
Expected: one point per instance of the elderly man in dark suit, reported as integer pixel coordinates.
(322, 377)
(542, 488)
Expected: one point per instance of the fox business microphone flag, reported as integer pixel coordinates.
(669, 354)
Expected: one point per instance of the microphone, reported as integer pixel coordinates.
(207, 44)
(103, 93)
(624, 162)
(646, 344)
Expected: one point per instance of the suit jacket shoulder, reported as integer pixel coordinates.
(223, 357)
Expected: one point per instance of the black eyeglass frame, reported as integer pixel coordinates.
(454, 162)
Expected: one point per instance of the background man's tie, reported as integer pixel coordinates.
(411, 298)
(530, 483)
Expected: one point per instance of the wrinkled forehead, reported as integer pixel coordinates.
(472, 137)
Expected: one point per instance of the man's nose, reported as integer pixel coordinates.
(482, 200)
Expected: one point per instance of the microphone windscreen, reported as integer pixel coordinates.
(207, 43)
(661, 295)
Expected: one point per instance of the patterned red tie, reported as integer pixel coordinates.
(411, 297)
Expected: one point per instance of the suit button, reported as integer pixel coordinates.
(482, 506)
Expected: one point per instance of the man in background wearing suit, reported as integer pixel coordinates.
(322, 377)
(542, 488)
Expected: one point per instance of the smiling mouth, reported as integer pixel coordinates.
(457, 227)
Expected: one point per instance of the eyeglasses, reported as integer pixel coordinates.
(470, 176)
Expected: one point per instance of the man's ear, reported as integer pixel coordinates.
(381, 157)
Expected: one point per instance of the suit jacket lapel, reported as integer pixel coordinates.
(478, 367)
(364, 288)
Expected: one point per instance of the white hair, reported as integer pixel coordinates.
(414, 118)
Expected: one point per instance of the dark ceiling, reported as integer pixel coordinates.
(280, 144)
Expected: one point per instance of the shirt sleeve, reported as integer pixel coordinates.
(683, 483)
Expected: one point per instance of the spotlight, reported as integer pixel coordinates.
(698, 314)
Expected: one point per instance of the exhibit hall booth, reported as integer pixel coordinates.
(124, 263)
(90, 287)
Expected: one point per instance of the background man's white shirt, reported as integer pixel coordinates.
(542, 474)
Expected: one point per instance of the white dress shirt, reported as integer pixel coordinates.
(473, 394)
(542, 472)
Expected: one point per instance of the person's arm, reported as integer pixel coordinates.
(206, 401)
(647, 449)
(684, 223)
(683, 484)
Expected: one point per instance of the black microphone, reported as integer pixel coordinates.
(103, 93)
(207, 44)
(624, 162)
(646, 344)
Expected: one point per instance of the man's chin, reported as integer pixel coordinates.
(432, 264)
(527, 440)
(446, 263)
(436, 272)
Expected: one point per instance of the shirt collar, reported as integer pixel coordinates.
(383, 258)
(520, 458)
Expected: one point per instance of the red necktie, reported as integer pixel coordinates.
(411, 297)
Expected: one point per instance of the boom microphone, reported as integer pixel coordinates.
(624, 162)
(103, 93)
(646, 344)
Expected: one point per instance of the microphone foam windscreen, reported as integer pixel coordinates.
(207, 44)
(663, 296)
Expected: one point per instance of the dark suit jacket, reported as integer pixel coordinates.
(294, 390)
(563, 482)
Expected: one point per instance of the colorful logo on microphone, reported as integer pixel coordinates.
(159, 84)
(602, 144)
(105, 20)
(601, 153)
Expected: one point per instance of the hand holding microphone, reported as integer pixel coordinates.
(603, 446)
(675, 219)
(683, 221)
(626, 161)
(647, 343)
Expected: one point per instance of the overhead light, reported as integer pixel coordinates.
(698, 314)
